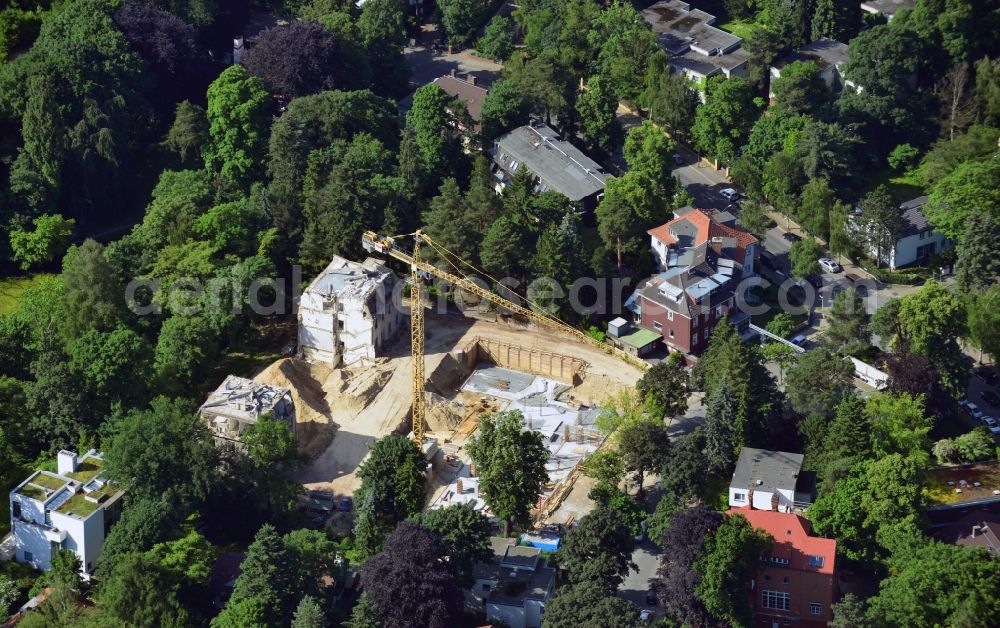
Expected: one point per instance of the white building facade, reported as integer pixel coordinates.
(348, 313)
(72, 509)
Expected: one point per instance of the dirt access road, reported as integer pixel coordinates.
(366, 403)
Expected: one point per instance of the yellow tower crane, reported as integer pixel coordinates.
(419, 270)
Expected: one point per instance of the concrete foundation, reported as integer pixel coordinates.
(561, 368)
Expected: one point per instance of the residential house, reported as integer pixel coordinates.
(556, 164)
(796, 583)
(702, 258)
(346, 314)
(237, 404)
(979, 528)
(887, 8)
(917, 241)
(470, 94)
(514, 586)
(71, 509)
(695, 47)
(828, 55)
(771, 480)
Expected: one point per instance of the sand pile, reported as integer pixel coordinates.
(314, 428)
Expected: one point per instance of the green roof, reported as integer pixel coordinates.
(640, 338)
(47, 481)
(86, 469)
(78, 505)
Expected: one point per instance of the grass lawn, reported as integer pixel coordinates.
(12, 289)
(740, 28)
(903, 187)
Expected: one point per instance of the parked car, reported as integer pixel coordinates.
(991, 398)
(987, 375)
(829, 265)
(646, 616)
(799, 340)
(345, 504)
(729, 194)
(678, 160)
(791, 237)
(974, 411)
(992, 424)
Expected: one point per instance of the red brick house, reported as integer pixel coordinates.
(797, 583)
(702, 257)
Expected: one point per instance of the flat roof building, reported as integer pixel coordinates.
(514, 585)
(694, 46)
(237, 404)
(887, 8)
(347, 313)
(557, 164)
(829, 56)
(71, 509)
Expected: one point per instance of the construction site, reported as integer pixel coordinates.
(474, 365)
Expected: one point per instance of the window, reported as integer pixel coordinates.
(17, 509)
(816, 561)
(778, 600)
(670, 315)
(657, 326)
(28, 557)
(815, 608)
(671, 332)
(784, 580)
(776, 560)
(739, 497)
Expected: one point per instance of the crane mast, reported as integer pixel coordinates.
(418, 269)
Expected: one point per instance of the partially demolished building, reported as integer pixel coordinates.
(239, 402)
(346, 314)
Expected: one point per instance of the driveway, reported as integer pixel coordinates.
(701, 180)
(637, 584)
(427, 64)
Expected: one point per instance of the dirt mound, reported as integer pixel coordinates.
(314, 428)
(442, 415)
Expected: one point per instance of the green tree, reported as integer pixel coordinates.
(659, 520)
(60, 608)
(189, 132)
(754, 218)
(167, 447)
(140, 592)
(669, 97)
(448, 220)
(645, 448)
(938, 585)
(47, 242)
(598, 549)
(972, 188)
(781, 325)
(667, 383)
(978, 267)
(836, 19)
(91, 297)
(497, 42)
(846, 329)
(543, 81)
(144, 523)
(722, 442)
(724, 122)
(618, 223)
(459, 20)
(392, 489)
(976, 144)
(428, 120)
(815, 206)
(308, 614)
(589, 604)
(8, 594)
(726, 565)
(504, 108)
(988, 87)
(782, 181)
(931, 320)
(189, 558)
(976, 445)
(984, 321)
(185, 348)
(686, 473)
(264, 580)
(597, 107)
(804, 258)
(271, 451)
(510, 463)
(898, 425)
(817, 382)
(238, 121)
(800, 89)
(465, 534)
(848, 612)
(115, 366)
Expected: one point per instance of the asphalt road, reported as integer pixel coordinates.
(701, 180)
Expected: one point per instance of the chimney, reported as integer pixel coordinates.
(238, 46)
(472, 78)
(66, 462)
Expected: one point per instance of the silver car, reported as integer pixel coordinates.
(829, 265)
(729, 194)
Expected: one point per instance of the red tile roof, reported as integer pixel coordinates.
(792, 538)
(708, 228)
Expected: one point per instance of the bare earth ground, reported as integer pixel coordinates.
(357, 405)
